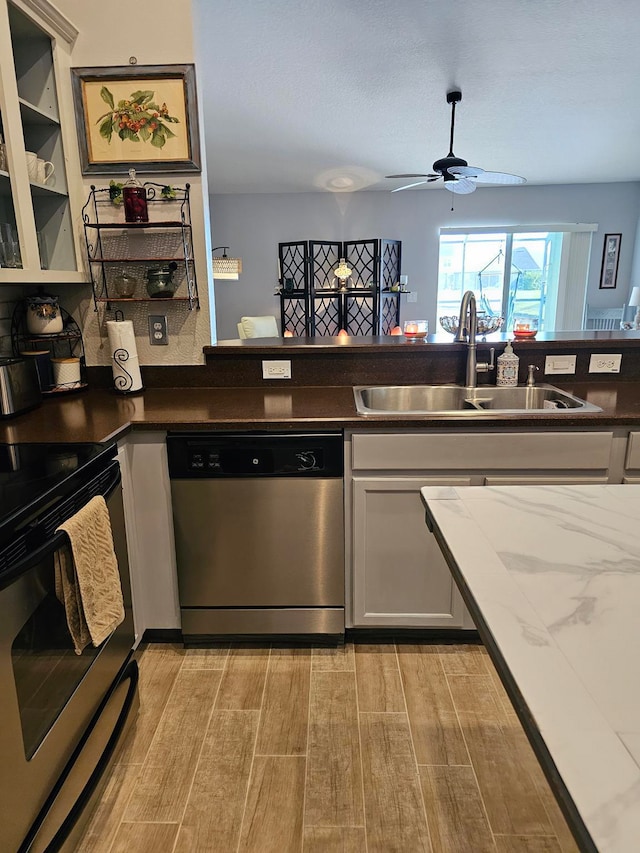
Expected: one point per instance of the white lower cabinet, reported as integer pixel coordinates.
(149, 521)
(399, 577)
(632, 459)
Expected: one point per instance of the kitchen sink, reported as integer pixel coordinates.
(458, 400)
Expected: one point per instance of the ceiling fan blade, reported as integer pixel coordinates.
(482, 177)
(408, 186)
(463, 186)
(409, 175)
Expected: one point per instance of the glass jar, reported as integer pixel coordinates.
(135, 200)
(160, 281)
(124, 285)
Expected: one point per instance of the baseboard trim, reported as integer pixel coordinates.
(370, 635)
(407, 635)
(162, 635)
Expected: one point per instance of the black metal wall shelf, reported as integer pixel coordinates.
(117, 248)
(65, 344)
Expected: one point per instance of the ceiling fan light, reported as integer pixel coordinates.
(462, 186)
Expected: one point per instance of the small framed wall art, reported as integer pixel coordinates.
(141, 117)
(610, 258)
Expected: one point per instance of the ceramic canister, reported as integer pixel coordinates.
(43, 315)
(66, 372)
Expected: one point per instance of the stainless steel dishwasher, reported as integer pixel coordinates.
(259, 531)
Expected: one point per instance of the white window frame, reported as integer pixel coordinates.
(574, 263)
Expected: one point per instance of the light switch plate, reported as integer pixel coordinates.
(555, 364)
(158, 335)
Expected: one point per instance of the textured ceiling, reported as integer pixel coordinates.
(335, 94)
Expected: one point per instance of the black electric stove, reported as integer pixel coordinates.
(62, 713)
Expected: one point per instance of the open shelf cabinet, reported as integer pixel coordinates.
(34, 62)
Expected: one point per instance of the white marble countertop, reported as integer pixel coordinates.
(552, 576)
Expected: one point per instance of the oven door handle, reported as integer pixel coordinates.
(24, 565)
(59, 538)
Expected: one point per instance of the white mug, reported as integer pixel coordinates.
(45, 170)
(32, 165)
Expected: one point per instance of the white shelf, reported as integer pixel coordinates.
(43, 190)
(35, 115)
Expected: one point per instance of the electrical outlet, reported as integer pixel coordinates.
(158, 335)
(412, 297)
(276, 370)
(560, 364)
(605, 363)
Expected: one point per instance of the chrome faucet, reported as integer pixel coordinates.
(467, 331)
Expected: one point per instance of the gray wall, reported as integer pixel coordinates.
(253, 225)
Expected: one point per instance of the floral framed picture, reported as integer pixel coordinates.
(610, 259)
(141, 117)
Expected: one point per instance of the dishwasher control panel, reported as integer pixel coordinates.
(197, 455)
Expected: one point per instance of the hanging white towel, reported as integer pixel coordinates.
(87, 580)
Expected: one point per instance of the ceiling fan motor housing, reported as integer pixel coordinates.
(446, 163)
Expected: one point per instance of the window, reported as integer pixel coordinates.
(517, 272)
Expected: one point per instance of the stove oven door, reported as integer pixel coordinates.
(60, 711)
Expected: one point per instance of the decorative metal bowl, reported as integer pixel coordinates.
(486, 324)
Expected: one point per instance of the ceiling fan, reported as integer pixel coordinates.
(458, 176)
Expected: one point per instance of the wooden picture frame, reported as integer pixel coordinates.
(141, 117)
(610, 260)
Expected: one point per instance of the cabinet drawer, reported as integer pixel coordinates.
(633, 451)
(543, 480)
(519, 451)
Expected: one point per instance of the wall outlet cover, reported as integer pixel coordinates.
(158, 335)
(280, 369)
(605, 362)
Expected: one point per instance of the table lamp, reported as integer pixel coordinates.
(634, 300)
(342, 272)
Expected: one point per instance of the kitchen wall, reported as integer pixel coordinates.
(156, 32)
(253, 225)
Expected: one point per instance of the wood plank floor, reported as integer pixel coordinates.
(390, 748)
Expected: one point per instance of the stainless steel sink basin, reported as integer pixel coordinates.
(474, 402)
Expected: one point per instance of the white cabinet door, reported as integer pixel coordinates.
(36, 123)
(400, 578)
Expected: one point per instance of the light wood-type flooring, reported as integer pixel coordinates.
(380, 748)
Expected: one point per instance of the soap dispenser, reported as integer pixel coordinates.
(508, 363)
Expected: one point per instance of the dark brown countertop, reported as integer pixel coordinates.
(100, 415)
